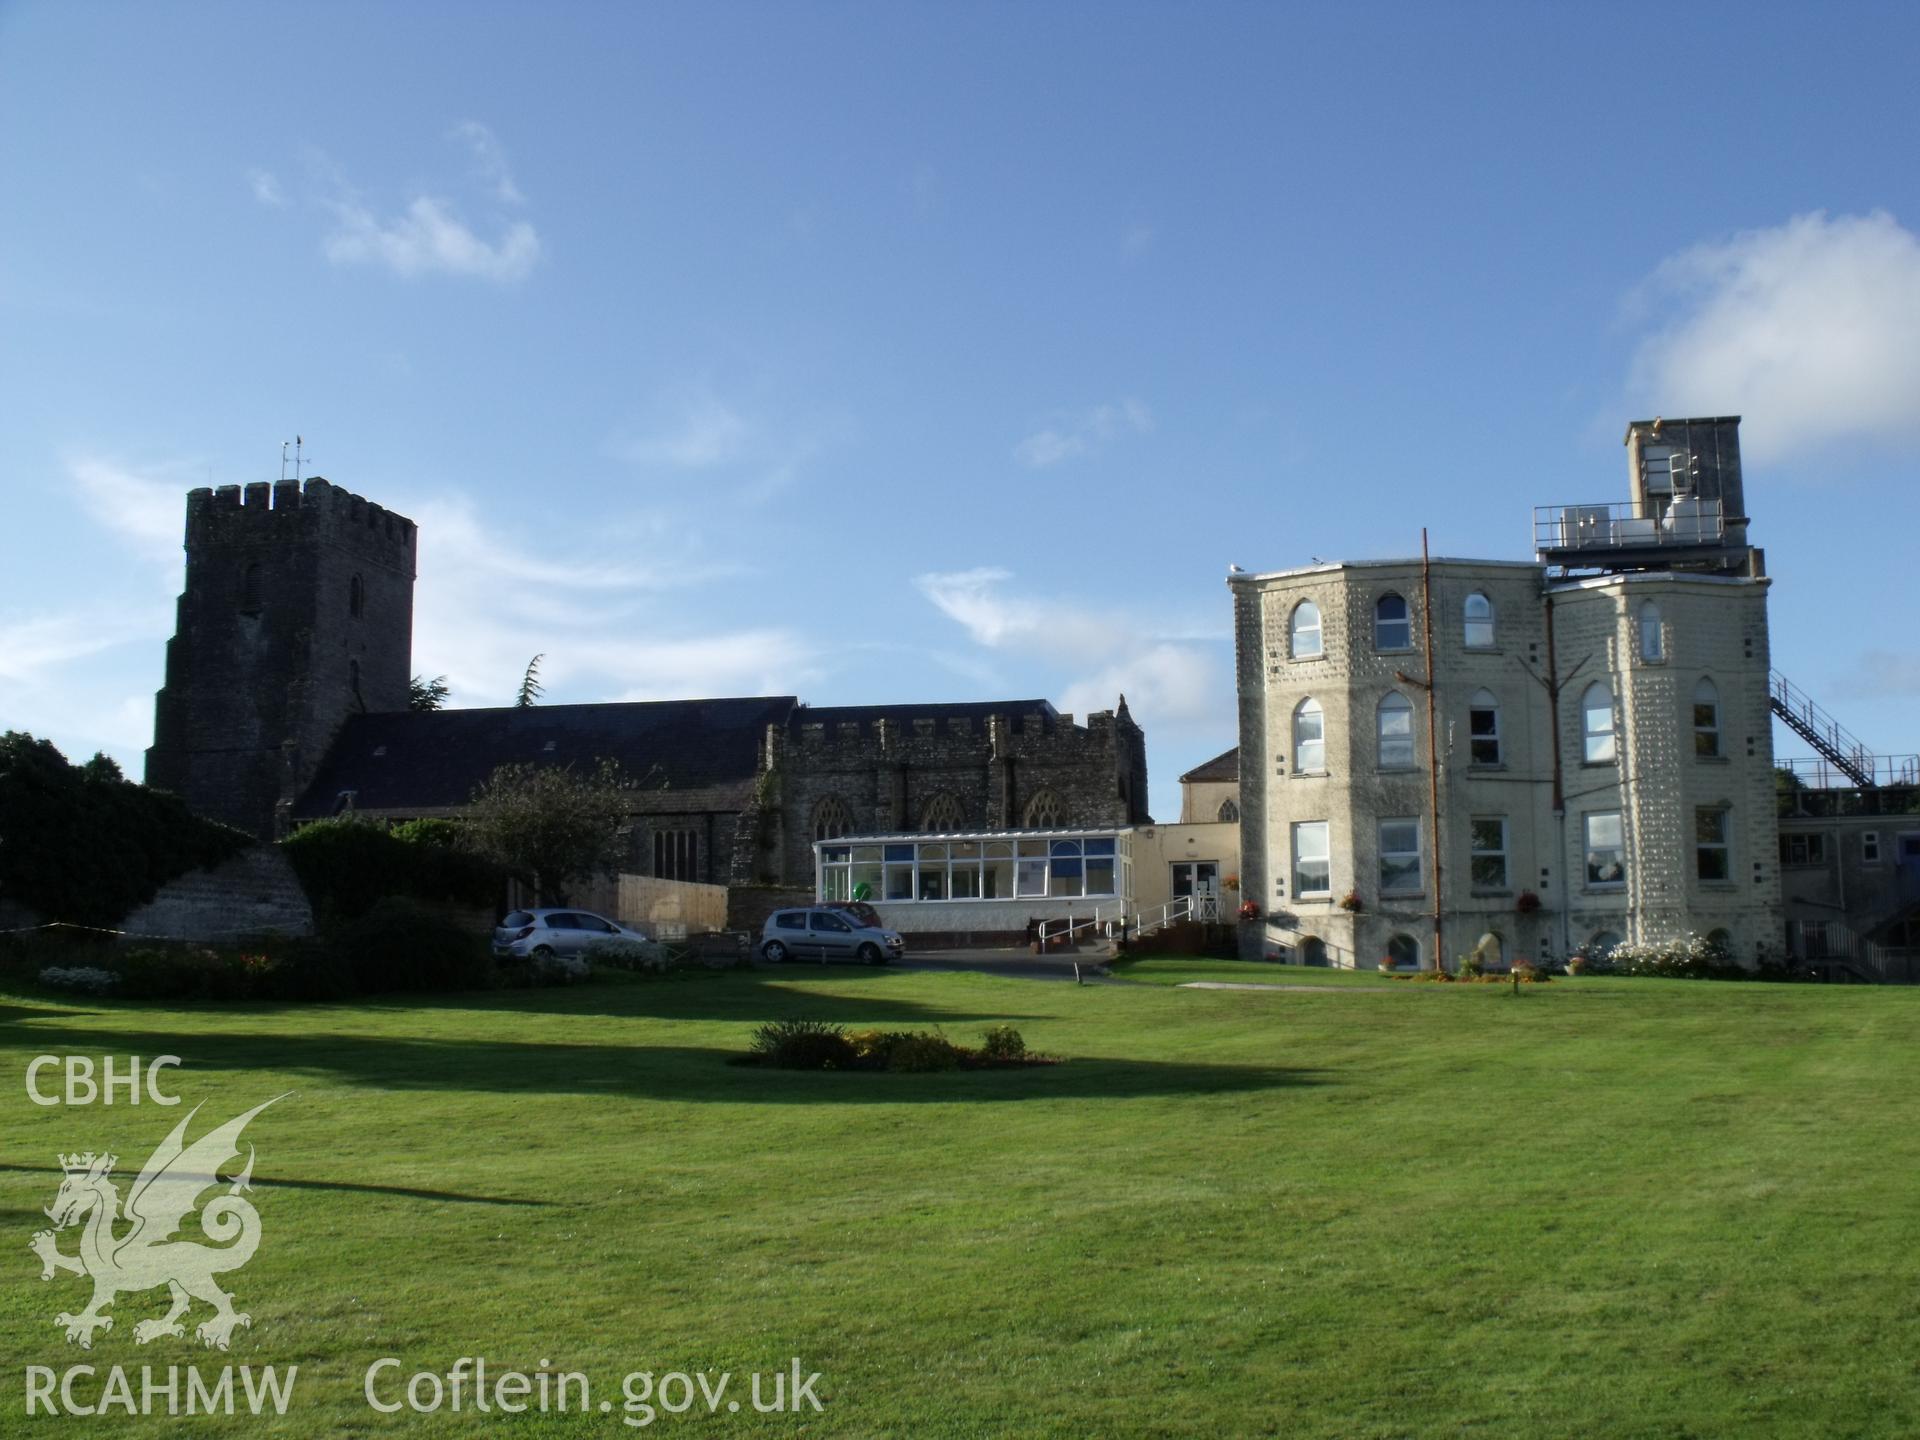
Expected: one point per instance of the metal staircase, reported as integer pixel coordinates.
(1821, 731)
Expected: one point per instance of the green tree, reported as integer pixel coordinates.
(530, 684)
(549, 825)
(427, 694)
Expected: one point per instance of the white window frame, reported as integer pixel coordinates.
(1321, 832)
(1296, 631)
(1381, 739)
(1618, 851)
(1401, 854)
(1483, 623)
(1317, 764)
(1706, 738)
(1478, 852)
(1406, 619)
(1704, 847)
(1869, 847)
(1484, 702)
(1651, 625)
(1598, 747)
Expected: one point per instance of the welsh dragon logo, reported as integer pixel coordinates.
(146, 1256)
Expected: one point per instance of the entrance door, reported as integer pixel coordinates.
(1198, 880)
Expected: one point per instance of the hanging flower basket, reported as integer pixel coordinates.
(1526, 902)
(1250, 910)
(1232, 882)
(1351, 901)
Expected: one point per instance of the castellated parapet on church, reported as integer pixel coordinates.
(297, 612)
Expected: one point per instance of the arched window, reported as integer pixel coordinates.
(1313, 951)
(1483, 728)
(1044, 812)
(1229, 812)
(1706, 718)
(1393, 724)
(1479, 617)
(831, 819)
(1596, 712)
(1309, 738)
(1304, 631)
(1722, 941)
(1392, 626)
(356, 597)
(942, 813)
(251, 589)
(353, 683)
(1653, 642)
(1403, 953)
(1601, 944)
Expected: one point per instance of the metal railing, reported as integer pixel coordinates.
(1833, 952)
(1820, 730)
(1818, 773)
(1623, 526)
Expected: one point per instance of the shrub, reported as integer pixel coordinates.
(79, 844)
(924, 1052)
(873, 1049)
(88, 979)
(190, 972)
(1471, 965)
(400, 944)
(443, 833)
(348, 866)
(641, 957)
(1689, 957)
(559, 969)
(802, 1045)
(1003, 1042)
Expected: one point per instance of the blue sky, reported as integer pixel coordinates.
(903, 352)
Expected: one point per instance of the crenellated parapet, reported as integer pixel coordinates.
(295, 513)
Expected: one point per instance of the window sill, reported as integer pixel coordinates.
(1490, 894)
(1599, 764)
(1614, 889)
(1396, 769)
(1309, 775)
(1386, 895)
(1476, 767)
(1393, 649)
(1305, 659)
(1726, 885)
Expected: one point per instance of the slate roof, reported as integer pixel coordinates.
(1223, 767)
(411, 761)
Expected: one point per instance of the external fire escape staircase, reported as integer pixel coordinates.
(1821, 731)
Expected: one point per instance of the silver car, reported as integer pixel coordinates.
(538, 933)
(823, 933)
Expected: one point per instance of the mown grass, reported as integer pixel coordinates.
(1603, 1207)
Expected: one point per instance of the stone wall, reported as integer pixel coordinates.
(255, 893)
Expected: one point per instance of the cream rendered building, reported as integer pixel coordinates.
(1600, 752)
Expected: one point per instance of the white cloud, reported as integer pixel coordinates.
(1136, 240)
(147, 511)
(484, 606)
(33, 646)
(266, 189)
(1809, 330)
(690, 429)
(489, 161)
(1072, 436)
(1174, 679)
(429, 237)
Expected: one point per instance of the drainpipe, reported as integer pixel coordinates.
(1433, 751)
(1559, 788)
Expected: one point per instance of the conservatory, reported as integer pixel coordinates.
(991, 883)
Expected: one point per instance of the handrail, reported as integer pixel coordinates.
(1821, 730)
(1610, 525)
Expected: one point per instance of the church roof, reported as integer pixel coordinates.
(1224, 766)
(901, 717)
(415, 761)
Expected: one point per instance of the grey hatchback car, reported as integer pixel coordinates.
(526, 933)
(822, 933)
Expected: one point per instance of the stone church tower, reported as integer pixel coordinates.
(297, 613)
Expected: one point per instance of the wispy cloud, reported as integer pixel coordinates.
(266, 189)
(32, 647)
(483, 608)
(489, 161)
(1810, 330)
(1175, 679)
(428, 238)
(145, 510)
(1136, 240)
(1069, 437)
(687, 428)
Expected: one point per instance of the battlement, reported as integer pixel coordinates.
(291, 511)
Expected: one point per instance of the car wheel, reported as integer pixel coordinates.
(542, 952)
(775, 952)
(871, 954)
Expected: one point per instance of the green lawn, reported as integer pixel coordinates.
(1603, 1207)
